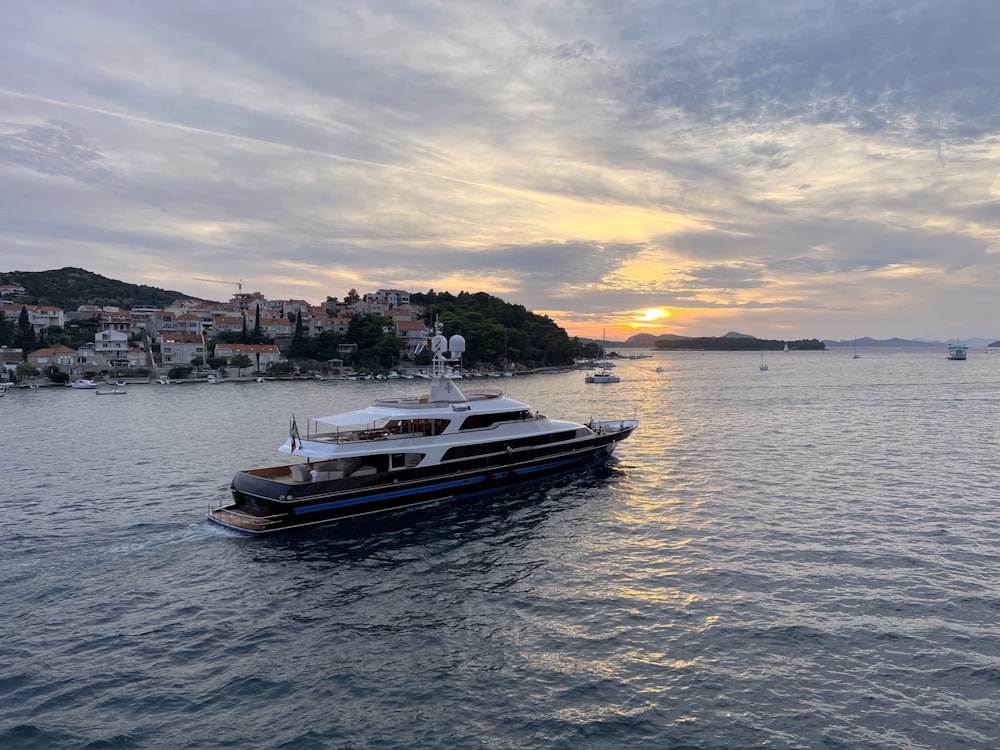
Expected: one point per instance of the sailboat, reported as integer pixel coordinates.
(763, 364)
(603, 373)
(786, 347)
(856, 355)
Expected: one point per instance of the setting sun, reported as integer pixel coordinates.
(653, 313)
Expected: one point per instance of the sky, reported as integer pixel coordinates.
(782, 168)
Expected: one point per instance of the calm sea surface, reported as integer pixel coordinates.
(800, 558)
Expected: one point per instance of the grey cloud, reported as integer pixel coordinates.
(56, 148)
(906, 67)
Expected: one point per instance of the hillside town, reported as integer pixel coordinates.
(153, 342)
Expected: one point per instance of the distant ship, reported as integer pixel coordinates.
(957, 351)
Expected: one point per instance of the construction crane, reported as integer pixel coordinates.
(239, 284)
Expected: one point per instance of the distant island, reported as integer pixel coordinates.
(733, 341)
(737, 343)
(730, 342)
(897, 343)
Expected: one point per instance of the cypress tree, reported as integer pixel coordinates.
(25, 336)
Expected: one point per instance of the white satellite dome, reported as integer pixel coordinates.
(456, 344)
(439, 344)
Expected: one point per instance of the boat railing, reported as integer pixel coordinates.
(363, 436)
(613, 426)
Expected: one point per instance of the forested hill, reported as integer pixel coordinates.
(68, 288)
(498, 331)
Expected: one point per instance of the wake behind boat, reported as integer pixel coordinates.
(400, 453)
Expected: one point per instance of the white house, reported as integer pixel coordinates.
(45, 316)
(178, 349)
(260, 354)
(112, 347)
(61, 357)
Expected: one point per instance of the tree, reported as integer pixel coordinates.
(24, 337)
(240, 361)
(76, 334)
(25, 370)
(325, 346)
(387, 351)
(6, 333)
(352, 297)
(55, 375)
(487, 322)
(297, 349)
(367, 331)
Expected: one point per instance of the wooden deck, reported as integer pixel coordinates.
(241, 520)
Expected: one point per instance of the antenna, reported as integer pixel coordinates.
(239, 284)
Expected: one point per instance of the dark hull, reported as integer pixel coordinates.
(264, 505)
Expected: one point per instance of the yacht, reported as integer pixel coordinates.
(409, 451)
(957, 351)
(84, 384)
(602, 375)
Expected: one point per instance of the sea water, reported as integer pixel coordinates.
(799, 558)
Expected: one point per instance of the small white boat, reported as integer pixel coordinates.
(603, 375)
(83, 383)
(118, 389)
(110, 390)
(958, 351)
(763, 364)
(3, 389)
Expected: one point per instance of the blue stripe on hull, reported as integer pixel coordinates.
(434, 489)
(385, 496)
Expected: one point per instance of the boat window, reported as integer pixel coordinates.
(427, 426)
(501, 446)
(481, 421)
(405, 460)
